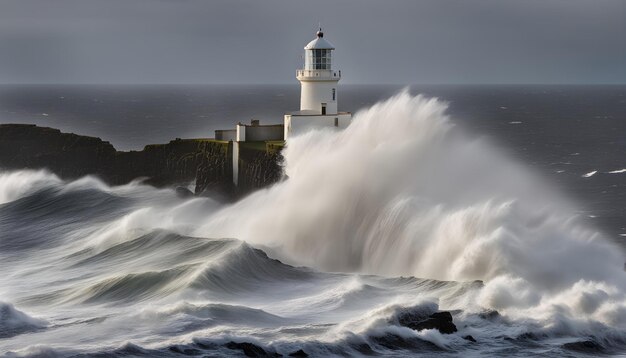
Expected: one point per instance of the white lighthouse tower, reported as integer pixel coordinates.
(318, 96)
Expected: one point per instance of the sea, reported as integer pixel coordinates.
(501, 204)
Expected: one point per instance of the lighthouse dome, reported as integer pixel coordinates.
(319, 43)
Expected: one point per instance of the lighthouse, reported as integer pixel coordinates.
(318, 110)
(318, 91)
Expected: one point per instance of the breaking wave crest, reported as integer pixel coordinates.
(14, 322)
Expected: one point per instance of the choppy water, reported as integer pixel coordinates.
(402, 212)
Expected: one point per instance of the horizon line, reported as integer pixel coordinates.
(290, 83)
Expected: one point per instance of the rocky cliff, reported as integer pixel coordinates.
(181, 161)
(259, 165)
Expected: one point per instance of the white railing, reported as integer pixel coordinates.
(321, 74)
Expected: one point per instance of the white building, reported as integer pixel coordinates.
(318, 95)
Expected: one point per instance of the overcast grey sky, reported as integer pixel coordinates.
(253, 41)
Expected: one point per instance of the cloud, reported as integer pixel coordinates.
(245, 41)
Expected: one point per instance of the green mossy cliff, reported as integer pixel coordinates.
(181, 161)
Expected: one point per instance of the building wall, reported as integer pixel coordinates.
(226, 134)
(263, 133)
(297, 124)
(314, 93)
(258, 133)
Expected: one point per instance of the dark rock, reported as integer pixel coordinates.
(183, 192)
(584, 347)
(441, 321)
(67, 155)
(409, 317)
(214, 172)
(257, 168)
(249, 349)
(298, 353)
(206, 161)
(470, 338)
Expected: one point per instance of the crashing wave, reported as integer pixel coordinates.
(14, 322)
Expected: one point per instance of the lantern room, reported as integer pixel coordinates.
(318, 53)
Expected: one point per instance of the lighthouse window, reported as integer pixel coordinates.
(318, 59)
(334, 94)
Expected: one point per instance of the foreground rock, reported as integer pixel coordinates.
(207, 161)
(441, 321)
(248, 349)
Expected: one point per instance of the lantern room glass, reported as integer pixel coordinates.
(317, 59)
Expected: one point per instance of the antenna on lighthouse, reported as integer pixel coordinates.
(319, 32)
